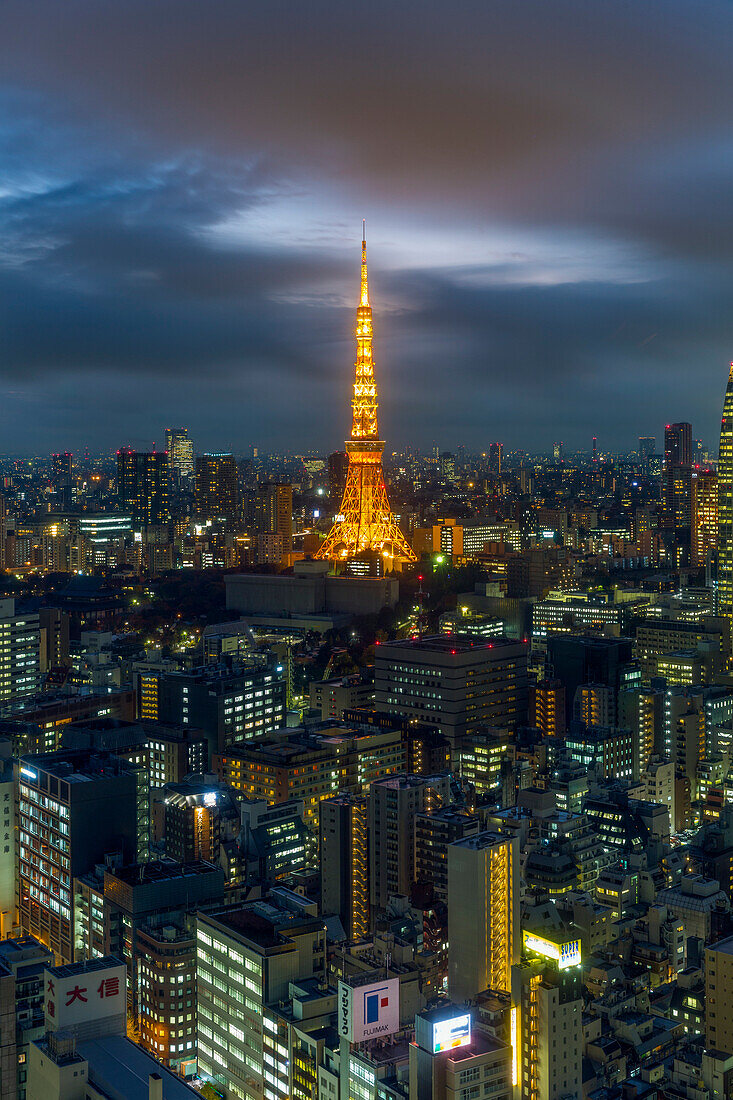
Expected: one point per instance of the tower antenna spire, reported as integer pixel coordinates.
(365, 524)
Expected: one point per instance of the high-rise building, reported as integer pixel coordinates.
(246, 960)
(344, 863)
(217, 488)
(61, 467)
(451, 1056)
(677, 475)
(365, 523)
(338, 466)
(74, 808)
(483, 913)
(704, 517)
(547, 707)
(230, 705)
(142, 486)
(166, 965)
(588, 659)
(647, 448)
(547, 1025)
(725, 509)
(393, 804)
(61, 478)
(3, 529)
(20, 652)
(434, 831)
(453, 683)
(180, 453)
(496, 457)
(23, 961)
(309, 766)
(448, 467)
(719, 996)
(192, 822)
(276, 509)
(143, 893)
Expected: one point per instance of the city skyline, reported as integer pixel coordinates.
(548, 259)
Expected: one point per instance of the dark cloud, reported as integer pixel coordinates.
(158, 159)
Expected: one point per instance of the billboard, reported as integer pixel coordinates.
(84, 996)
(564, 954)
(455, 1032)
(368, 1011)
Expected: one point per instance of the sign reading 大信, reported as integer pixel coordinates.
(83, 996)
(368, 1011)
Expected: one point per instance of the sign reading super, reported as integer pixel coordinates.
(565, 954)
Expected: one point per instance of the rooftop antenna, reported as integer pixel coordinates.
(363, 229)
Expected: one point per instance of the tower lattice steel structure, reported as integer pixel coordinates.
(366, 522)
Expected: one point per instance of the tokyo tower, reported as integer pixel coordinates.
(366, 523)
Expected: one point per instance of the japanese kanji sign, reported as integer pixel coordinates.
(83, 997)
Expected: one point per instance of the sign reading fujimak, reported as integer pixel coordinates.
(368, 1011)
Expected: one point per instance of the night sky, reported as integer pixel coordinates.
(548, 188)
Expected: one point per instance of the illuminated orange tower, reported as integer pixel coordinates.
(366, 522)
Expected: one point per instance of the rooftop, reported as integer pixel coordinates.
(452, 644)
(121, 1068)
(157, 871)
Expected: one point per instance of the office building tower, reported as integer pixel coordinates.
(142, 486)
(434, 831)
(180, 453)
(61, 478)
(704, 539)
(647, 448)
(273, 841)
(246, 960)
(20, 652)
(344, 863)
(343, 693)
(137, 895)
(677, 445)
(393, 804)
(217, 488)
(23, 961)
(719, 996)
(365, 523)
(547, 707)
(168, 753)
(3, 529)
(448, 468)
(496, 457)
(453, 683)
(192, 823)
(74, 808)
(546, 1025)
(308, 766)
(656, 638)
(587, 659)
(230, 705)
(483, 913)
(8, 854)
(276, 511)
(87, 1053)
(677, 475)
(166, 962)
(61, 468)
(451, 1055)
(338, 465)
(725, 511)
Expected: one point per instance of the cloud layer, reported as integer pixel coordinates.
(548, 194)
